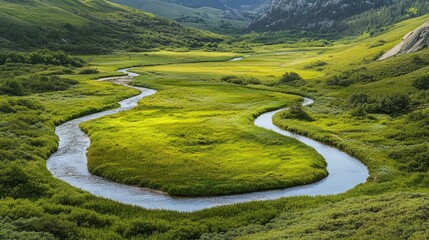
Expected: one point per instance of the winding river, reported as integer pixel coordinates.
(69, 164)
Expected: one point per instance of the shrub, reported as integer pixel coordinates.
(296, 112)
(12, 87)
(240, 80)
(359, 112)
(16, 183)
(47, 57)
(339, 81)
(357, 99)
(396, 103)
(317, 64)
(422, 82)
(89, 71)
(289, 77)
(361, 103)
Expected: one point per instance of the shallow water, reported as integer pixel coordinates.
(69, 164)
(236, 59)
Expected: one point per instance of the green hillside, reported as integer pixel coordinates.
(90, 27)
(212, 19)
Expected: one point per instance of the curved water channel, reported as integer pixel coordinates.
(69, 164)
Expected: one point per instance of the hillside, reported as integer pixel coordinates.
(414, 41)
(220, 16)
(347, 16)
(90, 27)
(207, 18)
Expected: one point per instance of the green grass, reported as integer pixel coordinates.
(110, 63)
(106, 26)
(194, 139)
(269, 63)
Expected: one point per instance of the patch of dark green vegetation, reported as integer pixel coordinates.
(240, 80)
(36, 72)
(297, 112)
(290, 77)
(361, 103)
(46, 57)
(88, 71)
(318, 65)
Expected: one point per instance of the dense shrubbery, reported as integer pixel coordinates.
(240, 80)
(16, 183)
(295, 112)
(289, 77)
(88, 71)
(422, 82)
(35, 84)
(318, 65)
(57, 58)
(351, 76)
(361, 103)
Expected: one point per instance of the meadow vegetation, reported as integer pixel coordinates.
(193, 139)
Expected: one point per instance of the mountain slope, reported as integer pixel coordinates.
(214, 15)
(90, 27)
(208, 18)
(350, 16)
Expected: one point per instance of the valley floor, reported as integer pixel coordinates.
(368, 108)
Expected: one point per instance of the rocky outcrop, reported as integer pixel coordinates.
(412, 42)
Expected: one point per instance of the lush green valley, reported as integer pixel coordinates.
(196, 137)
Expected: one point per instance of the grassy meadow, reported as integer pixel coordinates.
(193, 139)
(370, 109)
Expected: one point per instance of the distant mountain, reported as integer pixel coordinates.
(221, 4)
(220, 16)
(351, 16)
(90, 27)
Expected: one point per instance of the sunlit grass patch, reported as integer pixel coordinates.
(196, 138)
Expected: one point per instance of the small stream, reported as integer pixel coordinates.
(69, 164)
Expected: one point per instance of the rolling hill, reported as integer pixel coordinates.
(208, 18)
(94, 26)
(222, 16)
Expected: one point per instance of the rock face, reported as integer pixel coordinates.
(412, 42)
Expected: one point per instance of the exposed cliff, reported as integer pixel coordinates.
(412, 42)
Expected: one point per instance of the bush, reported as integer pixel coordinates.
(12, 87)
(296, 112)
(361, 103)
(339, 81)
(396, 103)
(358, 99)
(240, 80)
(317, 64)
(89, 71)
(35, 84)
(47, 57)
(289, 77)
(422, 82)
(16, 183)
